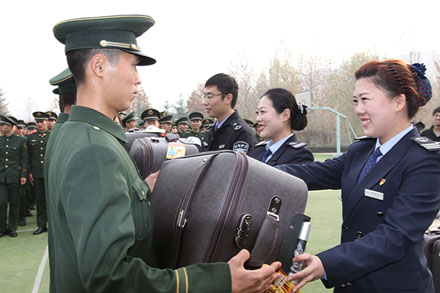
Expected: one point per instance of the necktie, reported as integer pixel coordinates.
(266, 154)
(370, 163)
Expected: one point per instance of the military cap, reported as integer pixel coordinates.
(249, 122)
(52, 115)
(31, 125)
(150, 114)
(196, 116)
(207, 122)
(21, 123)
(115, 31)
(129, 117)
(40, 116)
(7, 120)
(166, 119)
(182, 120)
(64, 81)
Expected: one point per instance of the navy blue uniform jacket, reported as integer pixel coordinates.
(291, 152)
(382, 240)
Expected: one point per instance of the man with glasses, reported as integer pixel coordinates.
(230, 131)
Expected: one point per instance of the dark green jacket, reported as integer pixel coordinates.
(100, 218)
(13, 158)
(189, 133)
(36, 150)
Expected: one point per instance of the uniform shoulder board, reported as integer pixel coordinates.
(363, 138)
(430, 145)
(237, 126)
(264, 142)
(297, 144)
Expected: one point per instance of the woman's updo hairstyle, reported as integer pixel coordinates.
(396, 77)
(283, 99)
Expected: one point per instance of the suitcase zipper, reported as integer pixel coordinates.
(229, 208)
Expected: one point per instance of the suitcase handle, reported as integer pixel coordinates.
(265, 243)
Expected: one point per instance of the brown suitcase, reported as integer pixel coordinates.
(150, 152)
(209, 206)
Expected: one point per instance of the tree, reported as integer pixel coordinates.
(180, 107)
(195, 100)
(55, 105)
(140, 103)
(3, 103)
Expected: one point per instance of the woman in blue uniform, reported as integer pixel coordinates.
(278, 115)
(390, 185)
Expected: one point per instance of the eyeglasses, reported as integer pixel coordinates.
(210, 95)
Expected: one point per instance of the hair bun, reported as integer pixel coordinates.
(423, 85)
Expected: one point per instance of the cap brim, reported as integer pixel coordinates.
(143, 59)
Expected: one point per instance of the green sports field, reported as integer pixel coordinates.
(22, 258)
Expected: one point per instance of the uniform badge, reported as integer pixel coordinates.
(241, 147)
(426, 143)
(222, 146)
(382, 181)
(237, 127)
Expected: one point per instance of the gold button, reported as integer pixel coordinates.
(6, 160)
(41, 148)
(41, 155)
(41, 141)
(42, 162)
(6, 152)
(6, 166)
(7, 146)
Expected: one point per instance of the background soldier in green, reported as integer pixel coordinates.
(208, 122)
(100, 217)
(150, 117)
(129, 121)
(25, 190)
(166, 122)
(13, 168)
(196, 119)
(52, 120)
(37, 147)
(182, 126)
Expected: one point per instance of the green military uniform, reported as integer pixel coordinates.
(200, 134)
(24, 191)
(100, 217)
(36, 149)
(13, 167)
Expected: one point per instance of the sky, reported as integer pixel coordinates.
(193, 40)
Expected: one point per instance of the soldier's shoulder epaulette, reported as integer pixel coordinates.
(264, 142)
(236, 126)
(363, 138)
(297, 144)
(426, 143)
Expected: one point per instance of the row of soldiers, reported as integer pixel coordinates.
(22, 151)
(194, 125)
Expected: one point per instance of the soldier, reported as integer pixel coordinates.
(196, 124)
(100, 217)
(13, 169)
(206, 124)
(229, 132)
(37, 147)
(129, 122)
(52, 120)
(150, 117)
(31, 128)
(182, 126)
(166, 122)
(25, 190)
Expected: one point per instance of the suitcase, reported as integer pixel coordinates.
(149, 153)
(432, 253)
(209, 206)
(133, 135)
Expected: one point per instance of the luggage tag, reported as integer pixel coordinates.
(175, 150)
(373, 194)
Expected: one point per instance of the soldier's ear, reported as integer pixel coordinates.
(98, 64)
